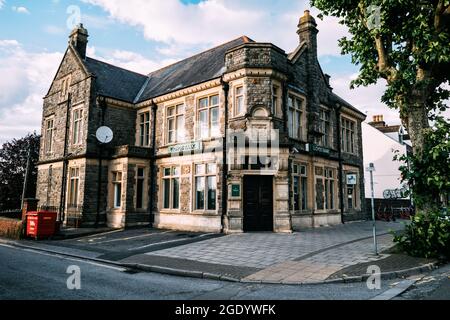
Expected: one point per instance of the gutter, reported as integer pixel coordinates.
(226, 88)
(339, 142)
(65, 162)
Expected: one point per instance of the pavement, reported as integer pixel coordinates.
(340, 253)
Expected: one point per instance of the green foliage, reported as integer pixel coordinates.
(13, 162)
(415, 40)
(429, 174)
(428, 235)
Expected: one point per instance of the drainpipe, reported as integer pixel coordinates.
(65, 162)
(151, 193)
(226, 88)
(102, 103)
(341, 182)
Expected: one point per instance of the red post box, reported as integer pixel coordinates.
(41, 224)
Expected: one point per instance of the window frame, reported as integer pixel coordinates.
(77, 126)
(348, 126)
(175, 175)
(140, 179)
(298, 110)
(117, 183)
(329, 182)
(206, 174)
(74, 187)
(178, 137)
(325, 122)
(277, 100)
(238, 96)
(144, 129)
(300, 171)
(48, 140)
(209, 108)
(65, 86)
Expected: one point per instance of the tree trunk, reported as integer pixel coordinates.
(416, 121)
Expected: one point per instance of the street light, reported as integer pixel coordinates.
(371, 169)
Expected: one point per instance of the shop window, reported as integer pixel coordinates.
(300, 187)
(325, 188)
(205, 186)
(171, 188)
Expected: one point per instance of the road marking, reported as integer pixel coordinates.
(57, 255)
(130, 238)
(170, 241)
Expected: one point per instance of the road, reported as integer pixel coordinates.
(28, 274)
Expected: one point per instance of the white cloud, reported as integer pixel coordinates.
(216, 21)
(26, 81)
(54, 30)
(2, 3)
(21, 10)
(366, 99)
(127, 59)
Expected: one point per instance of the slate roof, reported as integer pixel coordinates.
(115, 82)
(196, 69)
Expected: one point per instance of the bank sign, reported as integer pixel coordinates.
(186, 147)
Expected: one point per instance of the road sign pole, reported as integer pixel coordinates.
(371, 169)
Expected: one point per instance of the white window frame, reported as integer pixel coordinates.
(239, 97)
(208, 109)
(179, 111)
(173, 175)
(209, 171)
(117, 183)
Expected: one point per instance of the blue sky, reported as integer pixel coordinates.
(144, 35)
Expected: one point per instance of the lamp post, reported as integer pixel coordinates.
(371, 169)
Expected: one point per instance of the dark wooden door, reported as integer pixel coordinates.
(258, 203)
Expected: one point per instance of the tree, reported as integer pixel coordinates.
(13, 162)
(406, 43)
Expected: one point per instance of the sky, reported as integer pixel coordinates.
(145, 35)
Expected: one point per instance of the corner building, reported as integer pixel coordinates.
(169, 163)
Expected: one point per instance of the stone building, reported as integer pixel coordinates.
(175, 136)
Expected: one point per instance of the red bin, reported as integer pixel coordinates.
(41, 224)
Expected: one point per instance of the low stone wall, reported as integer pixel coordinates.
(10, 228)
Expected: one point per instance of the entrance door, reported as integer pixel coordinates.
(258, 203)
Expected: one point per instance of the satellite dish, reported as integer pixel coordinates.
(104, 135)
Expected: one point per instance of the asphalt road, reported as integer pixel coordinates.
(28, 274)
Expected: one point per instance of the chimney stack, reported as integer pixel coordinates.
(79, 39)
(307, 31)
(378, 121)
